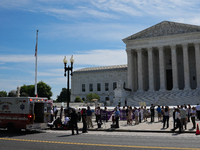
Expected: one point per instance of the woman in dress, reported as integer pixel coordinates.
(130, 115)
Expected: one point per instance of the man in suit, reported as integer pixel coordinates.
(73, 120)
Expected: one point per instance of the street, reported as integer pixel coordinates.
(57, 139)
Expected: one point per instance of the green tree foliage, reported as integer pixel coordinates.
(63, 95)
(92, 96)
(27, 90)
(3, 94)
(43, 90)
(78, 100)
(12, 93)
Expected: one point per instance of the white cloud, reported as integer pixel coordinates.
(94, 57)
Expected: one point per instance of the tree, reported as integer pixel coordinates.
(43, 90)
(78, 100)
(63, 95)
(27, 90)
(12, 93)
(3, 94)
(92, 96)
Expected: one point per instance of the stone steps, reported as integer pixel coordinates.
(169, 98)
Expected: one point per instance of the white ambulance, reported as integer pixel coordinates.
(24, 113)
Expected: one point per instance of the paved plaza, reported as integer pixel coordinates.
(142, 127)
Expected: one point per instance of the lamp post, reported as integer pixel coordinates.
(68, 69)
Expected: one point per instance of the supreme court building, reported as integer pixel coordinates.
(164, 57)
(163, 63)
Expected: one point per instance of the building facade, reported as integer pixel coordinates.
(163, 67)
(100, 80)
(164, 57)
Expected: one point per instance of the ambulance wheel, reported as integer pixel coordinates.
(11, 127)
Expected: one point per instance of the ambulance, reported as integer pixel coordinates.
(24, 113)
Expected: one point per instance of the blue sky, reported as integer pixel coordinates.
(91, 30)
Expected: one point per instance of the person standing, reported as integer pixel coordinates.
(89, 117)
(127, 110)
(136, 116)
(98, 115)
(106, 114)
(193, 115)
(183, 117)
(174, 120)
(141, 113)
(198, 111)
(159, 113)
(73, 121)
(61, 112)
(117, 114)
(189, 112)
(55, 111)
(52, 114)
(178, 122)
(152, 112)
(166, 117)
(84, 115)
(130, 116)
(145, 113)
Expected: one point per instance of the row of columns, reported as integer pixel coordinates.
(162, 70)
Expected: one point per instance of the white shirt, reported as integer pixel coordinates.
(136, 113)
(177, 115)
(55, 108)
(193, 112)
(52, 112)
(66, 120)
(198, 107)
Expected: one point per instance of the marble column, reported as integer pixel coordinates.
(150, 69)
(197, 58)
(174, 67)
(130, 70)
(162, 68)
(186, 66)
(140, 71)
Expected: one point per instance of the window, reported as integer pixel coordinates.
(114, 85)
(83, 87)
(106, 98)
(98, 86)
(106, 86)
(91, 87)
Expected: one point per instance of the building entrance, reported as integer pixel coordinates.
(169, 79)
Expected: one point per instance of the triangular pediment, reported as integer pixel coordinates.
(163, 29)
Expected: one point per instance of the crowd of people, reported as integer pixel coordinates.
(181, 116)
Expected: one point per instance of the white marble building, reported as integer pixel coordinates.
(164, 57)
(100, 80)
(163, 67)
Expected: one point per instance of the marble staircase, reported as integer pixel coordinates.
(170, 98)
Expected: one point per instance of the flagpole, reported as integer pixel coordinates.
(36, 95)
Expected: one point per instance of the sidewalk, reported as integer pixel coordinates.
(141, 127)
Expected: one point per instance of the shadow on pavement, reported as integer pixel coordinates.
(5, 133)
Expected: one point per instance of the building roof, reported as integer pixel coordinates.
(102, 68)
(164, 28)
